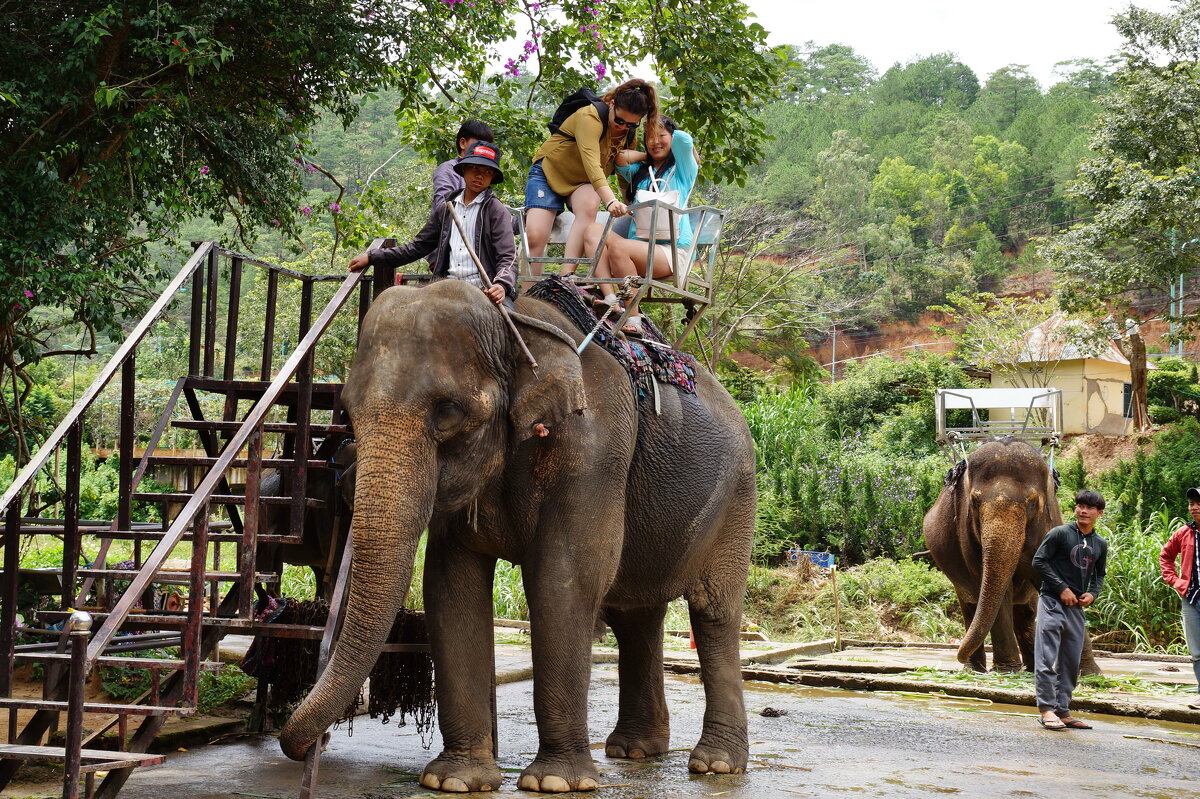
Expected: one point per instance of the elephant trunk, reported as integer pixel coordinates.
(1002, 536)
(394, 501)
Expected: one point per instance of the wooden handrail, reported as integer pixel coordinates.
(200, 496)
(106, 374)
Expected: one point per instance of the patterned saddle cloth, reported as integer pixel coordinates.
(645, 360)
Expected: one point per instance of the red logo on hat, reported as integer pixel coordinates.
(486, 151)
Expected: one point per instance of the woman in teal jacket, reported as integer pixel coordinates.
(671, 153)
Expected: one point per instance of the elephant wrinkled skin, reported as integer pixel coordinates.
(614, 512)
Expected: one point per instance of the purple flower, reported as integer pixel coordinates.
(337, 209)
(28, 293)
(204, 169)
(276, 221)
(512, 68)
(601, 71)
(306, 210)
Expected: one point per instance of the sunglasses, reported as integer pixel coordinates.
(625, 123)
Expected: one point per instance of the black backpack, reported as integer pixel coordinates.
(575, 101)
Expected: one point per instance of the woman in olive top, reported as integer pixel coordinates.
(573, 165)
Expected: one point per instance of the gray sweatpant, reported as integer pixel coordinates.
(1057, 647)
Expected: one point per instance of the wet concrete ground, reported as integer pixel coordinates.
(831, 743)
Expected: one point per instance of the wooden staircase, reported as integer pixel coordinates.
(283, 408)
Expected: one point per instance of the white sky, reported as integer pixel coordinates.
(984, 35)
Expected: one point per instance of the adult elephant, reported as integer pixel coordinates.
(982, 532)
(607, 506)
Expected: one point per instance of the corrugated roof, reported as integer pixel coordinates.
(1050, 341)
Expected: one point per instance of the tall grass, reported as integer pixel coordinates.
(842, 495)
(1136, 609)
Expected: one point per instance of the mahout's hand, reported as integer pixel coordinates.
(1068, 597)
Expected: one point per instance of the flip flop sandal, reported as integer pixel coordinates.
(1076, 724)
(1059, 727)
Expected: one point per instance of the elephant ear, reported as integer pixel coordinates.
(554, 390)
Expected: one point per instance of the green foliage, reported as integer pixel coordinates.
(214, 689)
(1152, 481)
(904, 583)
(880, 600)
(1173, 382)
(1163, 414)
(874, 388)
(849, 467)
(1142, 174)
(1136, 610)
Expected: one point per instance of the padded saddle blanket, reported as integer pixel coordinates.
(645, 361)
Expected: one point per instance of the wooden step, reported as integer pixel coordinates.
(90, 759)
(129, 663)
(108, 709)
(219, 499)
(224, 538)
(324, 395)
(178, 577)
(156, 620)
(268, 427)
(238, 463)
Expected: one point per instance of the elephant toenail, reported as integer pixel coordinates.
(431, 781)
(720, 767)
(636, 753)
(454, 785)
(698, 766)
(528, 782)
(614, 751)
(486, 787)
(554, 784)
(587, 784)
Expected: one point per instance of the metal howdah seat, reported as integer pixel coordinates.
(690, 282)
(1030, 414)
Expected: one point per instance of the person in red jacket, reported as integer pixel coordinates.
(1184, 546)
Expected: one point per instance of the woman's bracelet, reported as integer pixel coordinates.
(608, 204)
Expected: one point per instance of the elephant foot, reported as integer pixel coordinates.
(976, 667)
(560, 774)
(460, 772)
(1008, 668)
(635, 746)
(716, 759)
(1089, 668)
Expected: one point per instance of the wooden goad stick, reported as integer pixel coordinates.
(487, 281)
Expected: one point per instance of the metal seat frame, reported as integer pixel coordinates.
(692, 268)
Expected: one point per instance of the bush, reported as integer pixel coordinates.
(1138, 489)
(846, 496)
(1164, 414)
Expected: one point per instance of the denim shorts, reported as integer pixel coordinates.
(538, 193)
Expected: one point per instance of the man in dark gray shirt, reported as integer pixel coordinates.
(1071, 561)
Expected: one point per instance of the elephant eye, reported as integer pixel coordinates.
(448, 417)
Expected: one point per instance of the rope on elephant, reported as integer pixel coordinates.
(645, 361)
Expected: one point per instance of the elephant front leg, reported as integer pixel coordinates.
(643, 724)
(458, 603)
(563, 589)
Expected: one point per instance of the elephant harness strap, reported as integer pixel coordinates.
(647, 361)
